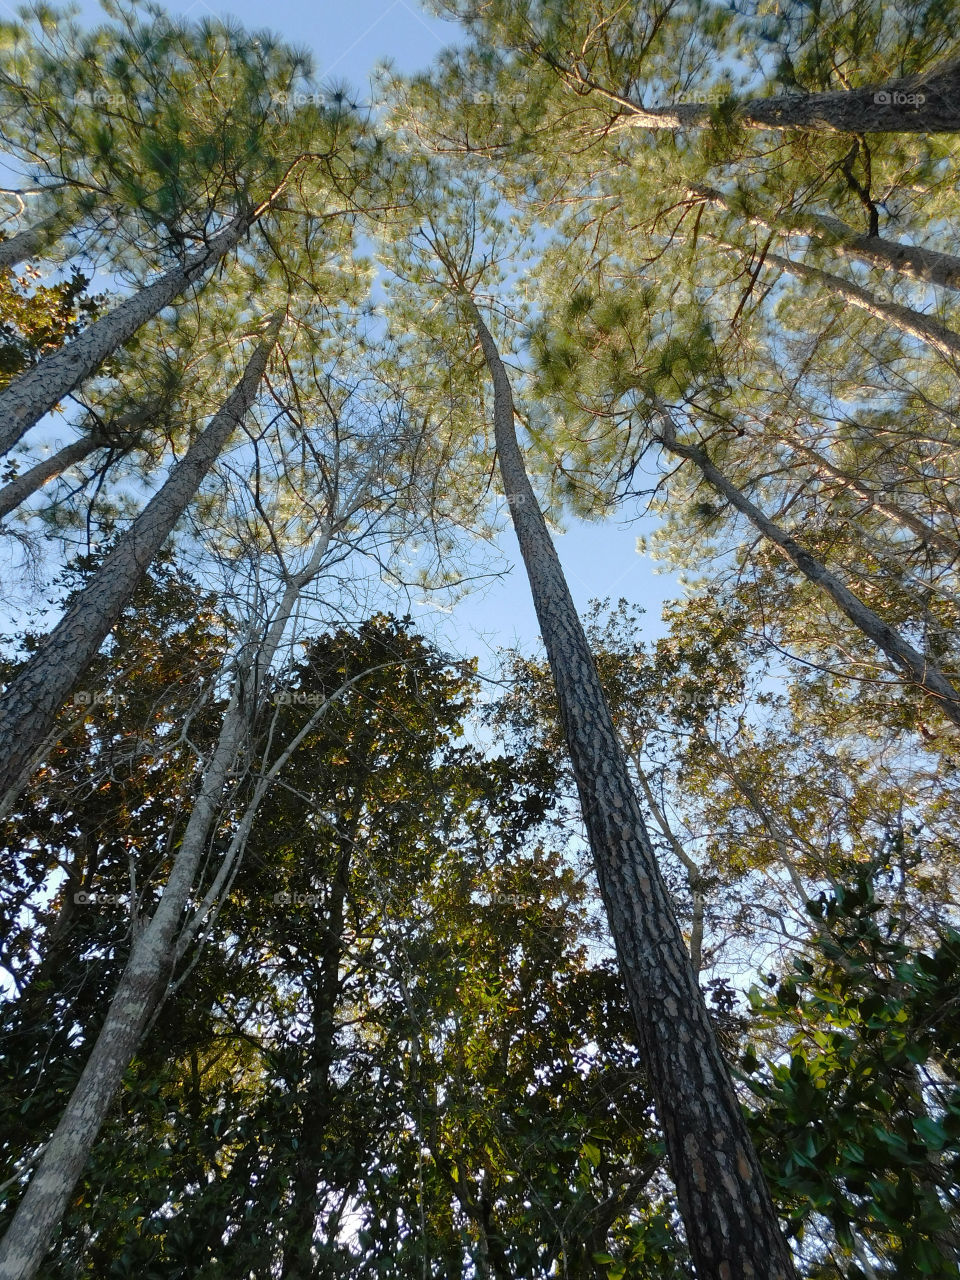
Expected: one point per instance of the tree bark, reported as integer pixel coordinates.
(41, 388)
(936, 335)
(901, 654)
(929, 266)
(35, 1222)
(33, 698)
(919, 104)
(31, 1231)
(31, 240)
(731, 1224)
(927, 534)
(21, 487)
(928, 330)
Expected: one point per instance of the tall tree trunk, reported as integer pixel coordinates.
(33, 698)
(32, 1229)
(929, 266)
(915, 323)
(21, 487)
(298, 1261)
(904, 657)
(30, 241)
(25, 400)
(730, 1220)
(906, 519)
(35, 1222)
(919, 104)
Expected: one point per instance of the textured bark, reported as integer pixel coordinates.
(730, 1220)
(929, 266)
(32, 1229)
(30, 241)
(840, 111)
(924, 531)
(904, 657)
(38, 1215)
(41, 388)
(20, 488)
(915, 323)
(35, 695)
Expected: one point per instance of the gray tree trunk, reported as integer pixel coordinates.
(929, 266)
(905, 319)
(926, 532)
(152, 955)
(731, 1224)
(41, 388)
(32, 699)
(38, 1215)
(30, 241)
(919, 104)
(21, 487)
(904, 657)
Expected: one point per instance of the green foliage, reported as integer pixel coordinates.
(419, 1061)
(37, 318)
(858, 1114)
(416, 1023)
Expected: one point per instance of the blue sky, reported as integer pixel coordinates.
(348, 38)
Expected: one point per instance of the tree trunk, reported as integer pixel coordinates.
(33, 698)
(31, 240)
(32, 1229)
(918, 104)
(21, 487)
(915, 323)
(41, 388)
(906, 519)
(903, 655)
(929, 266)
(730, 1220)
(97, 437)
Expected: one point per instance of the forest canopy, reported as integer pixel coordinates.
(332, 947)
